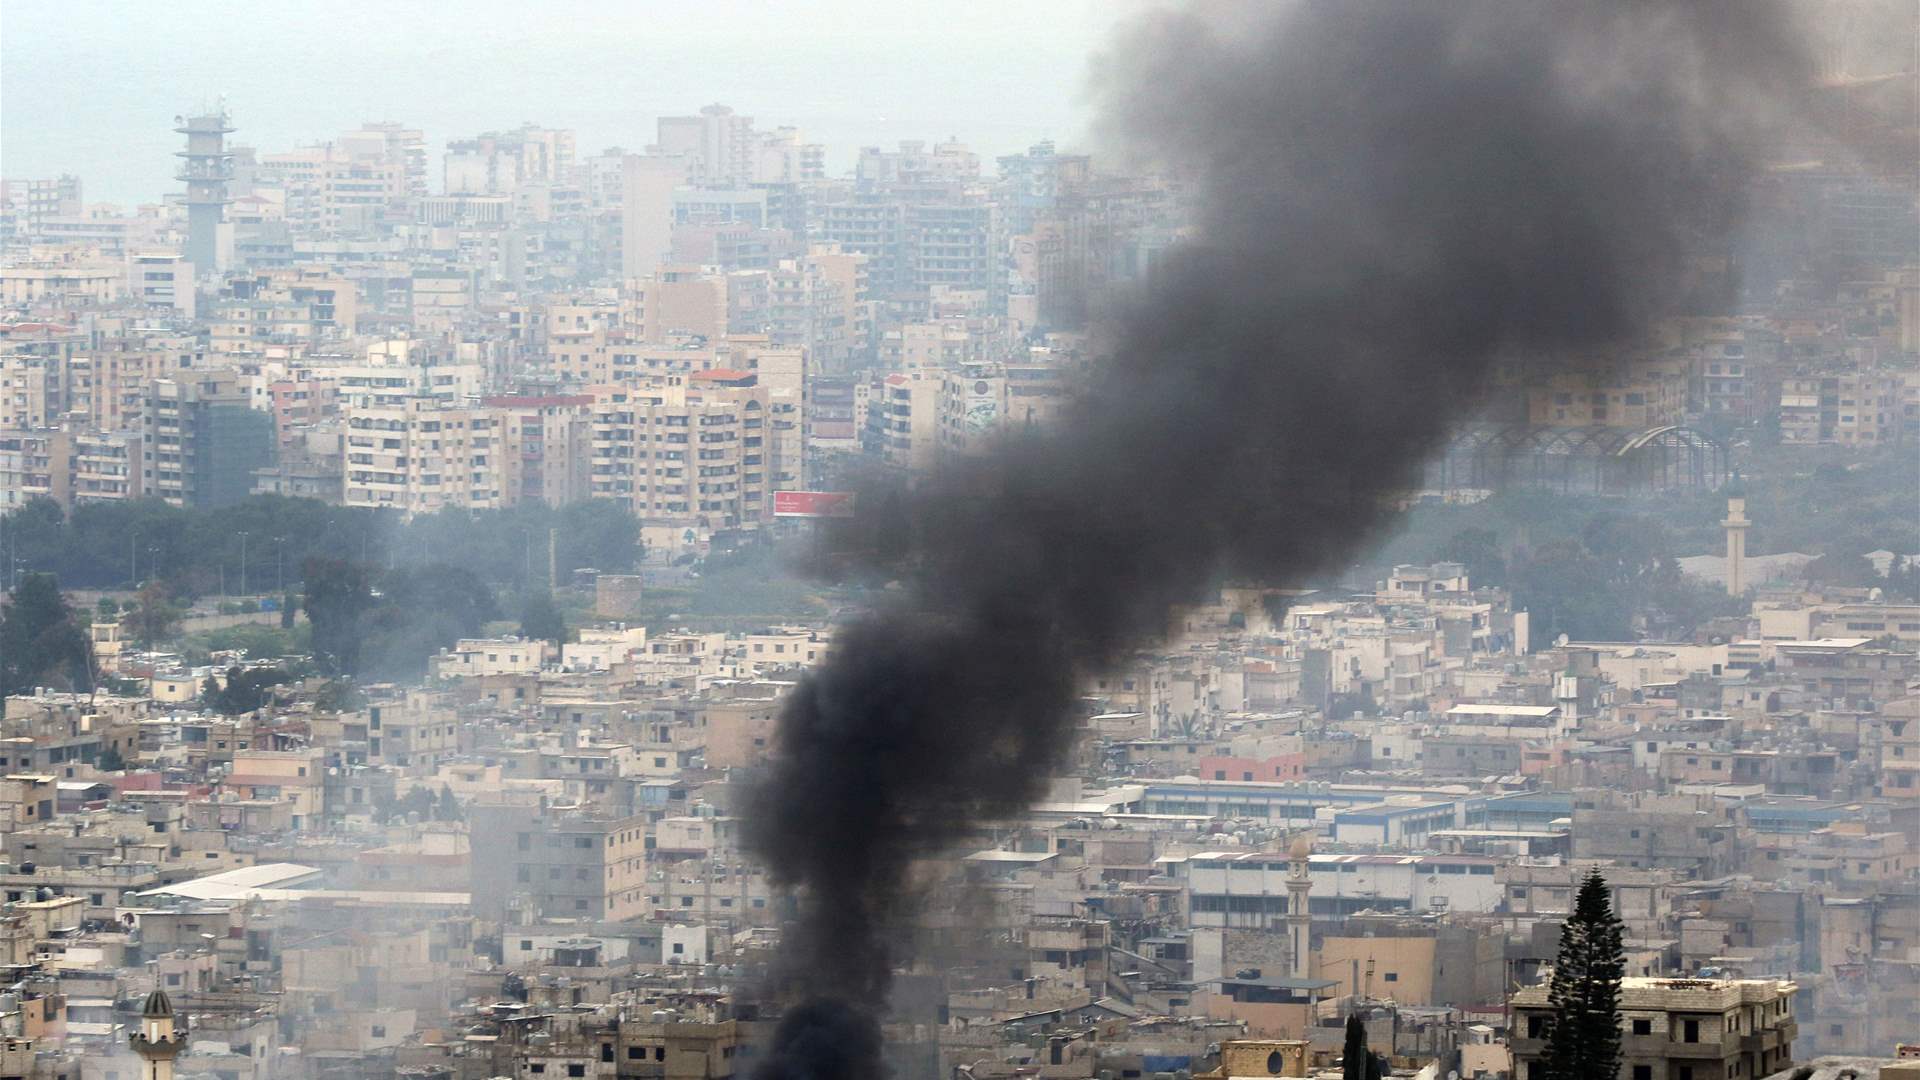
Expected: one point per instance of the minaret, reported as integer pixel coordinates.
(1299, 919)
(157, 1042)
(205, 166)
(1736, 526)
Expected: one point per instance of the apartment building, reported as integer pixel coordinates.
(980, 401)
(162, 280)
(106, 465)
(1636, 396)
(498, 163)
(550, 440)
(419, 454)
(1845, 408)
(568, 863)
(336, 188)
(903, 419)
(201, 439)
(1678, 1029)
(695, 451)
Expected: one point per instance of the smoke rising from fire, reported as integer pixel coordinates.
(1391, 198)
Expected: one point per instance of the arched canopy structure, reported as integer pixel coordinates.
(1587, 460)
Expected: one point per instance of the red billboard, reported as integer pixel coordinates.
(813, 504)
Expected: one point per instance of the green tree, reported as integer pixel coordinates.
(599, 533)
(419, 611)
(338, 597)
(1903, 580)
(338, 696)
(447, 807)
(1479, 551)
(110, 761)
(1567, 591)
(1583, 1032)
(540, 618)
(245, 691)
(154, 617)
(41, 640)
(1844, 569)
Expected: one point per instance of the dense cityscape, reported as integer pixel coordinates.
(1275, 604)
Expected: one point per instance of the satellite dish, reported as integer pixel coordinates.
(1560, 642)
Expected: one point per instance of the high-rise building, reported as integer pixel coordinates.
(420, 454)
(695, 450)
(27, 204)
(205, 167)
(201, 439)
(719, 144)
(647, 183)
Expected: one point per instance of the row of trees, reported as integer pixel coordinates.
(1593, 584)
(365, 622)
(259, 544)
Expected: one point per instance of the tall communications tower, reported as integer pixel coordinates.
(205, 167)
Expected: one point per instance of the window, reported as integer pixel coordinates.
(1643, 1027)
(576, 1070)
(379, 1031)
(526, 945)
(1643, 1072)
(1690, 1031)
(1393, 976)
(1536, 1027)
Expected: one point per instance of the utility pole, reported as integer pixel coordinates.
(553, 559)
(243, 564)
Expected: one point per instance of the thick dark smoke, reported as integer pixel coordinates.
(1392, 196)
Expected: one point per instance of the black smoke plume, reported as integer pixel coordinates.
(1391, 198)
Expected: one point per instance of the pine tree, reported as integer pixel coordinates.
(1353, 1058)
(1583, 1035)
(1358, 1061)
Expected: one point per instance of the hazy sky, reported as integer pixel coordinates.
(92, 87)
